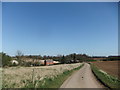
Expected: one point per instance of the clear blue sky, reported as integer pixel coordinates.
(0, 26)
(60, 28)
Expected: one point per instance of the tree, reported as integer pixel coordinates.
(74, 57)
(19, 56)
(5, 59)
(63, 59)
(39, 57)
(44, 57)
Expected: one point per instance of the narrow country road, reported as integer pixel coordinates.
(83, 78)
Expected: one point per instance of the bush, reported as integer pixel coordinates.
(5, 59)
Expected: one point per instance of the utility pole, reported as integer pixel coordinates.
(33, 72)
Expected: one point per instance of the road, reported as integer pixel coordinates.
(83, 78)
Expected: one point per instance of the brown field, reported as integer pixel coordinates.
(111, 67)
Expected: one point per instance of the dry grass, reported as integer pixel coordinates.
(0, 78)
(18, 77)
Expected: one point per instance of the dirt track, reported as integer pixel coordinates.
(83, 78)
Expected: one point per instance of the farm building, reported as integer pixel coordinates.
(48, 62)
(56, 62)
(37, 62)
(42, 62)
(15, 62)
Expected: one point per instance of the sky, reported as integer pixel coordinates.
(60, 28)
(0, 26)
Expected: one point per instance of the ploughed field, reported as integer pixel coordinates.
(111, 67)
(18, 77)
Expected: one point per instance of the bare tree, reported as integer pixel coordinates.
(19, 56)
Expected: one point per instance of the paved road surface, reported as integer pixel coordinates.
(83, 78)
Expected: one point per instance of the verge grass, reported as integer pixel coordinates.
(106, 79)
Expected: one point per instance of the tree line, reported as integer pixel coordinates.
(5, 60)
(63, 59)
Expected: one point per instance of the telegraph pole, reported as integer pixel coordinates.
(33, 72)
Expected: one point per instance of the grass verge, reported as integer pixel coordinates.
(106, 79)
(54, 82)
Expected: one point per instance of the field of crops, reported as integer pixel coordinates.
(18, 77)
(111, 67)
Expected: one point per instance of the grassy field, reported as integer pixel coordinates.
(108, 79)
(58, 80)
(23, 77)
(0, 78)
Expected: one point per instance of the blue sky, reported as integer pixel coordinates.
(60, 28)
(0, 26)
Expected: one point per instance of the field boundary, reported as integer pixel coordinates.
(99, 75)
(100, 80)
